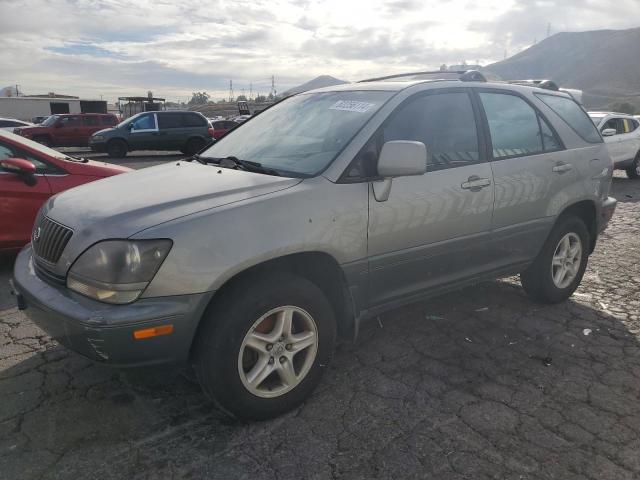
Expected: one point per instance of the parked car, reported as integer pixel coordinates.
(249, 260)
(241, 118)
(40, 119)
(188, 132)
(30, 173)
(621, 133)
(67, 130)
(222, 127)
(9, 124)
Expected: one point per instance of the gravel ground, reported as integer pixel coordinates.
(481, 383)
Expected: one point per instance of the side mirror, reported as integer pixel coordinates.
(21, 167)
(130, 126)
(399, 158)
(609, 132)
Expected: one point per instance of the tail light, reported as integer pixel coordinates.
(210, 130)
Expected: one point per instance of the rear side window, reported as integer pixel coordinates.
(194, 120)
(219, 125)
(70, 121)
(170, 120)
(573, 115)
(630, 125)
(444, 122)
(90, 121)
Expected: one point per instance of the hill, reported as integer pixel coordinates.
(603, 63)
(318, 82)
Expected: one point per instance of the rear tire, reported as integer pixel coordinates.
(558, 269)
(243, 360)
(633, 172)
(117, 149)
(193, 146)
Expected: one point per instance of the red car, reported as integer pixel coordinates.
(68, 130)
(222, 127)
(29, 174)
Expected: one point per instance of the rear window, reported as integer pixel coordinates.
(194, 120)
(220, 125)
(573, 115)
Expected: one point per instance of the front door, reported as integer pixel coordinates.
(69, 131)
(144, 132)
(433, 228)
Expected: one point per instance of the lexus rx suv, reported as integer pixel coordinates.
(249, 260)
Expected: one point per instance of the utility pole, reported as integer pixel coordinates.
(250, 90)
(273, 86)
(17, 91)
(230, 91)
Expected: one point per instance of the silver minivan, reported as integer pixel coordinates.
(250, 259)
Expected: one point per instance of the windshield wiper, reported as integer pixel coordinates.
(235, 163)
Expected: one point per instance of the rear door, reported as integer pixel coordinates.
(90, 124)
(171, 130)
(433, 228)
(68, 131)
(531, 170)
(19, 202)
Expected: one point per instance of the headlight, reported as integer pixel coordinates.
(117, 271)
(97, 137)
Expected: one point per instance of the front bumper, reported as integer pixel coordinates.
(97, 146)
(103, 332)
(606, 212)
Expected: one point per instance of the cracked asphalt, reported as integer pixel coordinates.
(480, 383)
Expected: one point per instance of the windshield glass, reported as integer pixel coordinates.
(50, 121)
(302, 134)
(128, 120)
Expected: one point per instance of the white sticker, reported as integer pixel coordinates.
(351, 106)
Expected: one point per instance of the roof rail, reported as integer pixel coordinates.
(546, 84)
(462, 75)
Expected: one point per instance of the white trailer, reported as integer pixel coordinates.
(25, 108)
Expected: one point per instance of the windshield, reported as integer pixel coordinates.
(302, 134)
(50, 121)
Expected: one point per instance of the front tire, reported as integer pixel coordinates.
(558, 269)
(633, 172)
(265, 345)
(116, 149)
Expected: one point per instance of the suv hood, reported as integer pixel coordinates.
(122, 205)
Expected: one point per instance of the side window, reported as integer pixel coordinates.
(193, 120)
(444, 122)
(513, 125)
(633, 125)
(145, 122)
(108, 120)
(90, 121)
(573, 114)
(169, 120)
(550, 142)
(6, 151)
(70, 121)
(612, 123)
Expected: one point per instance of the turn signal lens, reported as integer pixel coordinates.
(153, 332)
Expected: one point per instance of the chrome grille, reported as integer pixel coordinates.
(49, 239)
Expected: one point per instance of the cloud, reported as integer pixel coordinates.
(173, 47)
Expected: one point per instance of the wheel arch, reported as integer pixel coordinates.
(119, 139)
(320, 268)
(587, 212)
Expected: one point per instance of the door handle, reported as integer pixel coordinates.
(562, 167)
(475, 183)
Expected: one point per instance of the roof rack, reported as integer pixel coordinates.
(462, 75)
(546, 84)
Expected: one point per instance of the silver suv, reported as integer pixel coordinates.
(330, 207)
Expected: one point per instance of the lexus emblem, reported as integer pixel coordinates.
(36, 235)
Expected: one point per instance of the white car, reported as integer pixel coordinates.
(9, 124)
(621, 133)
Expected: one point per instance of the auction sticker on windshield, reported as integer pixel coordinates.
(351, 106)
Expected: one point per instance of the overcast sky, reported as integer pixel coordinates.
(126, 47)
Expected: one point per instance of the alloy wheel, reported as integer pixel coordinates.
(278, 351)
(566, 260)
